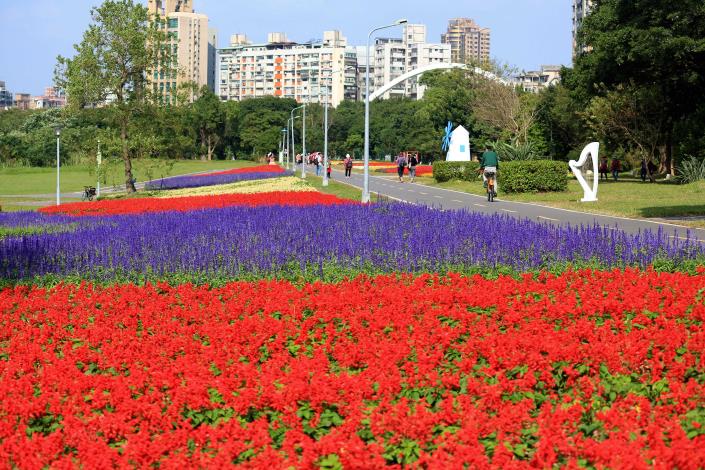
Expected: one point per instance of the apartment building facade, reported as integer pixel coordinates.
(469, 41)
(535, 81)
(192, 44)
(581, 8)
(52, 98)
(6, 101)
(23, 101)
(310, 73)
(394, 57)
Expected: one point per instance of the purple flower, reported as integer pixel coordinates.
(319, 241)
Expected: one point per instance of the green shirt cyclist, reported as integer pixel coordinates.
(489, 159)
(489, 163)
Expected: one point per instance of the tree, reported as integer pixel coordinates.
(209, 118)
(560, 121)
(260, 124)
(508, 110)
(654, 45)
(629, 115)
(448, 97)
(120, 50)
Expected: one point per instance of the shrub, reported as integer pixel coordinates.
(514, 152)
(447, 171)
(691, 170)
(533, 176)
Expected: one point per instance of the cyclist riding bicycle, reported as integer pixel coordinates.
(489, 164)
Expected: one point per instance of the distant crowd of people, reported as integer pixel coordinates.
(315, 159)
(647, 170)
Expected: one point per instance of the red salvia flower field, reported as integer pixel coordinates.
(586, 368)
(190, 203)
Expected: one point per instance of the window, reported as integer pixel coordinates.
(173, 23)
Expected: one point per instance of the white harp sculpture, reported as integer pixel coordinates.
(587, 166)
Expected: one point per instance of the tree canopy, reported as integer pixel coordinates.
(651, 48)
(120, 50)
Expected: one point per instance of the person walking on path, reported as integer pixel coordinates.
(328, 170)
(644, 171)
(603, 169)
(652, 170)
(317, 162)
(616, 168)
(348, 163)
(401, 164)
(413, 161)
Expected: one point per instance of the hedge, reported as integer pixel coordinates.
(447, 171)
(533, 176)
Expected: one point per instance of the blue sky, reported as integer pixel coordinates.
(525, 33)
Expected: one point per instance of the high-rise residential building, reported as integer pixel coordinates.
(361, 54)
(6, 100)
(308, 72)
(389, 62)
(581, 8)
(192, 44)
(212, 57)
(394, 57)
(469, 41)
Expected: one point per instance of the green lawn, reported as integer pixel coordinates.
(34, 182)
(340, 189)
(626, 198)
(23, 180)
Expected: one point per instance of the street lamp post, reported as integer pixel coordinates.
(293, 141)
(285, 144)
(325, 128)
(292, 147)
(325, 142)
(282, 145)
(366, 178)
(280, 148)
(99, 157)
(290, 135)
(58, 166)
(303, 145)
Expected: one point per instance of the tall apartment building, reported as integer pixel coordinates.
(389, 63)
(468, 41)
(581, 8)
(307, 73)
(361, 54)
(6, 101)
(393, 57)
(192, 43)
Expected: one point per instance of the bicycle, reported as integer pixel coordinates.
(88, 193)
(490, 176)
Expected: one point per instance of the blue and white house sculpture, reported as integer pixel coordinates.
(459, 146)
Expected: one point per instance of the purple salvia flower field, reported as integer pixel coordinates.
(196, 181)
(235, 243)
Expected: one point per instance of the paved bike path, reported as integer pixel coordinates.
(449, 199)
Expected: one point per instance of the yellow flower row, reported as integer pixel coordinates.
(287, 183)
